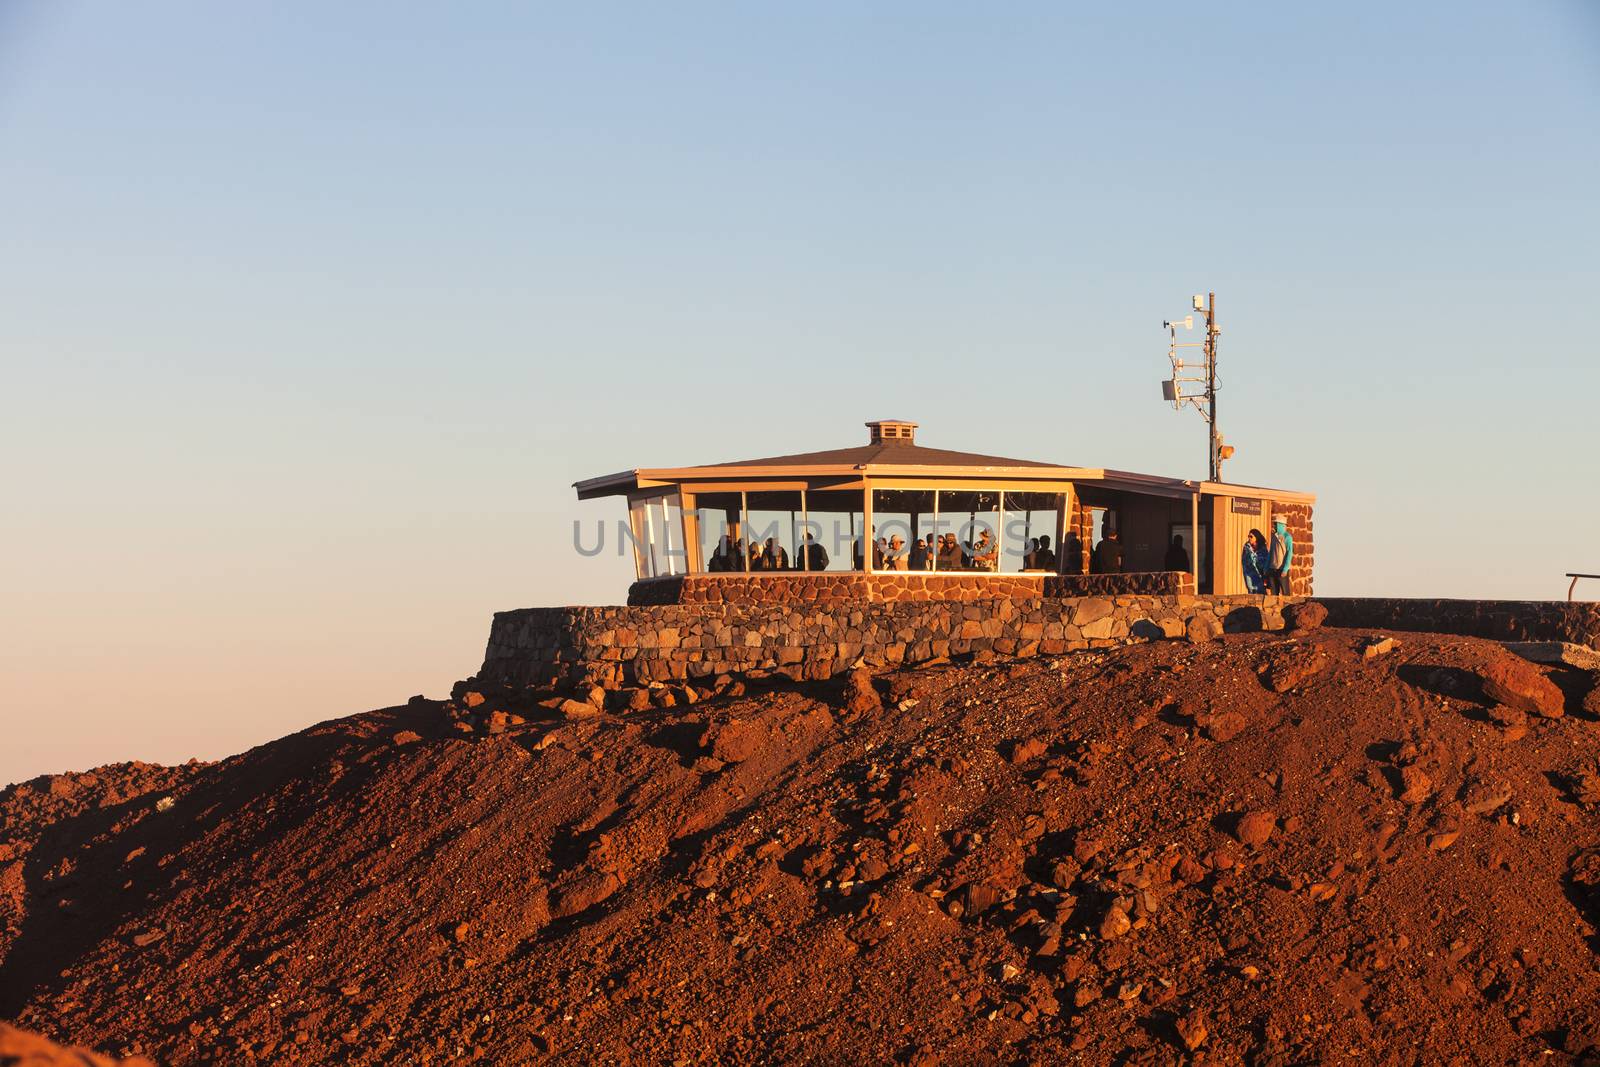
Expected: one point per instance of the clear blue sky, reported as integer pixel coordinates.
(311, 313)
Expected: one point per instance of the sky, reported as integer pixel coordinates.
(310, 314)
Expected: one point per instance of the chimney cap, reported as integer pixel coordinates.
(899, 430)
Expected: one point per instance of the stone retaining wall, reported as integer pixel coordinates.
(856, 587)
(1504, 620)
(621, 646)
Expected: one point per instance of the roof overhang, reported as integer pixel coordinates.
(625, 482)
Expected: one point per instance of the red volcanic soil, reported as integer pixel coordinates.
(1271, 849)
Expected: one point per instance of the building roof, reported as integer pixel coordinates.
(904, 457)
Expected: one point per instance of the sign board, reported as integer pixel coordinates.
(1243, 505)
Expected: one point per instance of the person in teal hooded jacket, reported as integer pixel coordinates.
(1282, 558)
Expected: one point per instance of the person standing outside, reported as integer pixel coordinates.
(1282, 557)
(1255, 562)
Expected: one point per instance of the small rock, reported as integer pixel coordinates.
(1192, 1028)
(472, 699)
(639, 700)
(165, 804)
(148, 937)
(1440, 840)
(1221, 725)
(1379, 646)
(1202, 629)
(1115, 923)
(1415, 786)
(407, 737)
(1254, 828)
(861, 696)
(1023, 751)
(459, 933)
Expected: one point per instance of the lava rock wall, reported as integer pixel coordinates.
(613, 647)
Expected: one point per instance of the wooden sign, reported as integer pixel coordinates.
(1243, 505)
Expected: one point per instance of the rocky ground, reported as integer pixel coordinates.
(1314, 847)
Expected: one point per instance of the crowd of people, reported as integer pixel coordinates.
(890, 553)
(1264, 560)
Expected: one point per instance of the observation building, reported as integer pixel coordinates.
(846, 523)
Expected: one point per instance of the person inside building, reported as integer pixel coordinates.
(919, 555)
(774, 557)
(895, 559)
(1255, 562)
(1108, 554)
(1030, 553)
(1072, 551)
(758, 560)
(1280, 558)
(985, 551)
(1044, 557)
(812, 555)
(949, 556)
(1177, 556)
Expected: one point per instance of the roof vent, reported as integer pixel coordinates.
(893, 431)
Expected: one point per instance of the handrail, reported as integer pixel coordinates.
(1574, 576)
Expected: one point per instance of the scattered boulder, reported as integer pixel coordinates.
(572, 710)
(1291, 666)
(407, 737)
(1519, 684)
(1202, 629)
(1307, 615)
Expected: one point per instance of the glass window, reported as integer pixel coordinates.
(639, 531)
(834, 523)
(675, 558)
(903, 520)
(973, 517)
(772, 530)
(1032, 531)
(718, 520)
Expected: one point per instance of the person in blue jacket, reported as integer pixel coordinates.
(1254, 561)
(1281, 556)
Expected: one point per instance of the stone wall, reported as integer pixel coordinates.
(622, 646)
(1149, 583)
(1297, 517)
(1504, 620)
(856, 587)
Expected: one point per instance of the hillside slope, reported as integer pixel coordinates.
(1269, 849)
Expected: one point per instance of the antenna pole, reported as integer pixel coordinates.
(1211, 385)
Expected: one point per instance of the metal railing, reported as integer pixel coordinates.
(1574, 585)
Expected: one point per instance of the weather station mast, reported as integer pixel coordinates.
(1204, 399)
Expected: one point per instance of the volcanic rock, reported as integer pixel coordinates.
(1254, 828)
(1306, 615)
(1509, 680)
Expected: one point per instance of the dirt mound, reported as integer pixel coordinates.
(1273, 849)
(18, 1048)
